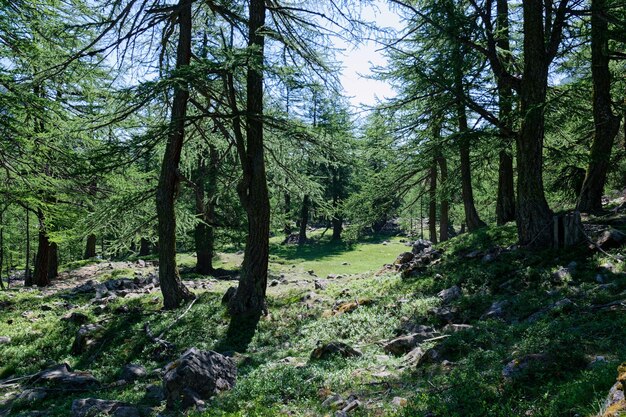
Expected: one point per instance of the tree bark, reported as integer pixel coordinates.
(533, 214)
(40, 275)
(174, 291)
(53, 261)
(606, 123)
(337, 220)
(472, 219)
(204, 234)
(28, 278)
(90, 249)
(144, 247)
(505, 202)
(444, 209)
(2, 247)
(304, 220)
(287, 228)
(249, 300)
(432, 203)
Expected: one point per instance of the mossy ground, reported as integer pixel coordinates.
(270, 385)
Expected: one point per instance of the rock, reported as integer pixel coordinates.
(62, 376)
(399, 402)
(560, 305)
(445, 314)
(76, 318)
(561, 276)
(88, 407)
(141, 263)
(331, 276)
(414, 357)
(154, 394)
(5, 340)
(420, 246)
(308, 296)
(597, 360)
(320, 284)
(132, 372)
(404, 344)
(335, 348)
(311, 272)
(352, 405)
(453, 328)
(449, 294)
(345, 263)
(496, 310)
(517, 367)
(334, 401)
(229, 294)
(611, 239)
(32, 395)
(404, 258)
(87, 335)
(198, 375)
(274, 283)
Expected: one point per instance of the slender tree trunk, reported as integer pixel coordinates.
(337, 220)
(505, 203)
(1, 246)
(432, 203)
(144, 247)
(28, 278)
(287, 229)
(53, 261)
(90, 248)
(40, 275)
(204, 233)
(304, 220)
(249, 300)
(605, 122)
(472, 219)
(174, 291)
(533, 214)
(444, 209)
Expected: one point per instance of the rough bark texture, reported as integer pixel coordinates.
(505, 203)
(533, 214)
(40, 275)
(304, 220)
(53, 261)
(2, 247)
(606, 123)
(249, 300)
(144, 247)
(444, 209)
(90, 248)
(472, 219)
(205, 209)
(287, 229)
(28, 278)
(432, 203)
(174, 292)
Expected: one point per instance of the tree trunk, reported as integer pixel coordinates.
(304, 220)
(204, 234)
(174, 292)
(605, 122)
(287, 229)
(249, 300)
(144, 247)
(2, 247)
(28, 278)
(472, 219)
(337, 220)
(444, 210)
(40, 275)
(505, 202)
(53, 261)
(533, 214)
(432, 203)
(90, 249)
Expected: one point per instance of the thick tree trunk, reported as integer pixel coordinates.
(144, 247)
(53, 261)
(472, 219)
(304, 220)
(28, 278)
(533, 214)
(444, 209)
(432, 203)
(40, 275)
(606, 123)
(174, 292)
(249, 300)
(505, 202)
(90, 249)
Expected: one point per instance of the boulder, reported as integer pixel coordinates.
(611, 239)
(334, 401)
(86, 336)
(88, 407)
(404, 344)
(404, 257)
(420, 246)
(32, 396)
(76, 318)
(62, 376)
(334, 348)
(197, 375)
(445, 314)
(132, 372)
(561, 275)
(449, 294)
(496, 310)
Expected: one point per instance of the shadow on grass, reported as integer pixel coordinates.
(239, 334)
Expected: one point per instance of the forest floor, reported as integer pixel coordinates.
(543, 335)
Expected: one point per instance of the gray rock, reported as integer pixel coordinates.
(76, 318)
(88, 407)
(198, 375)
(62, 376)
(154, 394)
(404, 258)
(404, 344)
(5, 340)
(561, 275)
(87, 335)
(449, 294)
(517, 367)
(611, 239)
(274, 283)
(445, 314)
(335, 348)
(496, 310)
(32, 395)
(453, 328)
(132, 372)
(320, 284)
(334, 401)
(420, 246)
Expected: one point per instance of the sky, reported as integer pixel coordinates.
(358, 61)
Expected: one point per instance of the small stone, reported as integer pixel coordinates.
(32, 395)
(132, 372)
(335, 348)
(334, 401)
(87, 407)
(399, 402)
(449, 294)
(352, 405)
(320, 284)
(345, 263)
(76, 318)
(561, 276)
(274, 283)
(5, 340)
(453, 328)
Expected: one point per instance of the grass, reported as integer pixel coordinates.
(276, 376)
